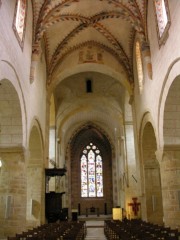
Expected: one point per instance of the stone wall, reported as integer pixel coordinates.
(12, 191)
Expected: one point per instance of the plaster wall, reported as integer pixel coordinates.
(15, 65)
(162, 58)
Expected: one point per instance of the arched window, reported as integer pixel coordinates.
(162, 15)
(139, 66)
(91, 172)
(19, 19)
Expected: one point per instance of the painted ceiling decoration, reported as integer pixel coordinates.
(67, 26)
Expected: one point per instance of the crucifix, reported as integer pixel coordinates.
(135, 206)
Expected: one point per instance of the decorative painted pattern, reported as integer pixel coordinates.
(48, 13)
(90, 54)
(118, 57)
(100, 28)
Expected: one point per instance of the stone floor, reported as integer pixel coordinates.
(95, 230)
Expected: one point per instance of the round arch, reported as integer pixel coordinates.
(152, 207)
(172, 73)
(11, 115)
(35, 129)
(35, 177)
(93, 67)
(9, 73)
(170, 140)
(12, 177)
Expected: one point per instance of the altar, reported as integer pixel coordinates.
(92, 210)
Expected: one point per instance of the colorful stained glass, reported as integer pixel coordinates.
(139, 66)
(84, 176)
(162, 17)
(20, 18)
(91, 172)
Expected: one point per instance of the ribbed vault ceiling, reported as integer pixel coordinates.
(78, 33)
(67, 25)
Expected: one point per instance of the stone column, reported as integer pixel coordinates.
(170, 176)
(12, 191)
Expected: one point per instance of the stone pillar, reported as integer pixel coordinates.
(170, 175)
(131, 176)
(12, 191)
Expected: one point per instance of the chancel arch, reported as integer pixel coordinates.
(152, 190)
(109, 71)
(88, 137)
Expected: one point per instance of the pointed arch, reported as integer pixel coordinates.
(89, 140)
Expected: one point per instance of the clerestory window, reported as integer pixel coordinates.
(91, 172)
(139, 66)
(19, 20)
(163, 18)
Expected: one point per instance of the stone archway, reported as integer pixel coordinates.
(171, 157)
(35, 179)
(81, 139)
(12, 172)
(152, 178)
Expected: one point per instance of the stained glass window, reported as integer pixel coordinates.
(139, 66)
(19, 19)
(91, 172)
(163, 19)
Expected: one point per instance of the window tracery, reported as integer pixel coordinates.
(91, 172)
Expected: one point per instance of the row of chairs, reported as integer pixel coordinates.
(137, 229)
(54, 231)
